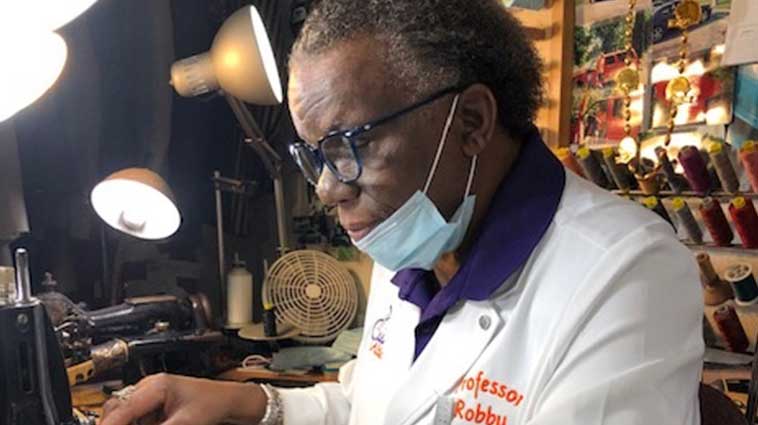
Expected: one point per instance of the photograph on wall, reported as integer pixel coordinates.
(599, 37)
(709, 100)
(746, 98)
(745, 124)
(709, 32)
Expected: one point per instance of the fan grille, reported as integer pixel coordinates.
(313, 292)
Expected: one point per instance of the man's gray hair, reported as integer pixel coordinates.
(433, 44)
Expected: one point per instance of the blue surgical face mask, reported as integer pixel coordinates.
(416, 235)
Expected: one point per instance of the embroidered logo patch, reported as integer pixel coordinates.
(378, 333)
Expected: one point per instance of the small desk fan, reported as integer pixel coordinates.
(313, 292)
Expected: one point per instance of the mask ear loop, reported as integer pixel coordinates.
(441, 147)
(471, 173)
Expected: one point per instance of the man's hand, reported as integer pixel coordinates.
(179, 400)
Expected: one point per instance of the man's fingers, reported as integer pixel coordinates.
(148, 398)
(110, 406)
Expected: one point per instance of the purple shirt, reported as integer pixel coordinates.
(520, 213)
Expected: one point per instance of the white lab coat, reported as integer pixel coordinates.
(602, 325)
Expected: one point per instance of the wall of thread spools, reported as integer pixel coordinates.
(709, 203)
(707, 193)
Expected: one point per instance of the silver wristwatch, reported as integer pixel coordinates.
(274, 410)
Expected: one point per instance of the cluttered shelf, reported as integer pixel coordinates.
(736, 250)
(721, 196)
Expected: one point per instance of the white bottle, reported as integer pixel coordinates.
(239, 295)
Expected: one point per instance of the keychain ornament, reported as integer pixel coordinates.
(686, 14)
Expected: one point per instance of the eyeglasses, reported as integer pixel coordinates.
(338, 149)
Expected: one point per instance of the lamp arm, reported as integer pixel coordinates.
(271, 160)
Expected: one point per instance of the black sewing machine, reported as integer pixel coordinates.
(143, 335)
(34, 388)
(48, 342)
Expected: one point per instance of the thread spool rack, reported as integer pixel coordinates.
(723, 256)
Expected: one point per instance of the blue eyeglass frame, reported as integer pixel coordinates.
(352, 133)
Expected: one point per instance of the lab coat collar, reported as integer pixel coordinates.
(520, 213)
(440, 368)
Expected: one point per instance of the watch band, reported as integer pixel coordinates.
(274, 410)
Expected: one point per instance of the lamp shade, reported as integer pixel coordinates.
(44, 14)
(241, 62)
(138, 202)
(32, 62)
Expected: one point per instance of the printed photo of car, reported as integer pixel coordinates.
(663, 11)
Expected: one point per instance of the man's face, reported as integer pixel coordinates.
(351, 85)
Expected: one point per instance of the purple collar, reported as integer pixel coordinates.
(520, 213)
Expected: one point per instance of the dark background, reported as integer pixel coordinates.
(113, 108)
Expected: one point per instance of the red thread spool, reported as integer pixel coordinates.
(731, 329)
(749, 159)
(715, 221)
(695, 169)
(745, 221)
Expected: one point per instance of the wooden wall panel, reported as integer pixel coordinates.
(552, 30)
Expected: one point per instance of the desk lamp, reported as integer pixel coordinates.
(33, 55)
(138, 202)
(241, 65)
(35, 59)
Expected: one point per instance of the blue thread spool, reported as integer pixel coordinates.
(743, 282)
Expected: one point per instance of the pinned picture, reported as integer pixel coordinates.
(708, 32)
(597, 115)
(707, 96)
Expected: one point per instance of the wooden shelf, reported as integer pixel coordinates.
(712, 372)
(733, 249)
(687, 194)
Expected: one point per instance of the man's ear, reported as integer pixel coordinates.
(478, 111)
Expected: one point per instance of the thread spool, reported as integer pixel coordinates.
(674, 180)
(715, 290)
(687, 220)
(712, 174)
(740, 276)
(619, 173)
(730, 328)
(715, 221)
(695, 169)
(749, 159)
(709, 335)
(269, 320)
(724, 169)
(653, 204)
(745, 221)
(567, 159)
(591, 167)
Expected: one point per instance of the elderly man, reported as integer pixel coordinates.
(505, 290)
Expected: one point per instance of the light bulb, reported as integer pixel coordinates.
(133, 219)
(32, 63)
